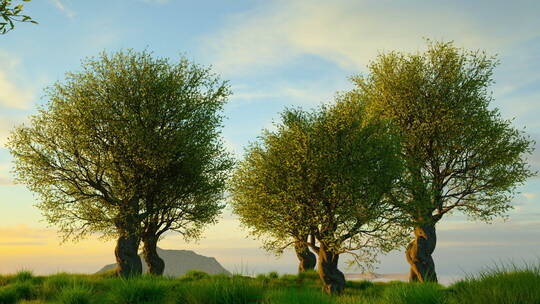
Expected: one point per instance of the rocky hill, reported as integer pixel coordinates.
(178, 262)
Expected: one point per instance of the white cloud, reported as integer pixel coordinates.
(530, 196)
(352, 33)
(12, 95)
(299, 92)
(66, 11)
(349, 34)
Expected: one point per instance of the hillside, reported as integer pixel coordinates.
(178, 262)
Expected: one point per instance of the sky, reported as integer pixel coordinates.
(274, 54)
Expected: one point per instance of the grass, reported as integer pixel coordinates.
(234, 290)
(412, 293)
(77, 294)
(498, 285)
(143, 290)
(502, 284)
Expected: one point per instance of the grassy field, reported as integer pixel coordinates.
(501, 285)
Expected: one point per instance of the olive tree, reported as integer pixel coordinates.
(121, 148)
(322, 174)
(267, 196)
(185, 187)
(185, 191)
(459, 153)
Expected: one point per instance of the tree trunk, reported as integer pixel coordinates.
(127, 260)
(327, 266)
(307, 259)
(127, 246)
(155, 263)
(419, 254)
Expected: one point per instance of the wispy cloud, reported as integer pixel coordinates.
(352, 33)
(12, 94)
(299, 93)
(66, 11)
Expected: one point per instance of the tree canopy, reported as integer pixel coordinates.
(459, 153)
(127, 140)
(323, 174)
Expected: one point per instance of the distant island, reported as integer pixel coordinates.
(179, 262)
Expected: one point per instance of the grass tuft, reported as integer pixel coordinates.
(76, 295)
(23, 276)
(360, 285)
(144, 290)
(7, 296)
(297, 296)
(273, 275)
(234, 290)
(415, 293)
(310, 275)
(499, 285)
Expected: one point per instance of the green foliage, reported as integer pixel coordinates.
(459, 153)
(11, 14)
(322, 173)
(127, 142)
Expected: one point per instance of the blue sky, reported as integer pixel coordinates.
(274, 54)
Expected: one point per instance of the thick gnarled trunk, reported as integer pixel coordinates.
(327, 266)
(419, 254)
(127, 260)
(155, 263)
(307, 259)
(127, 246)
